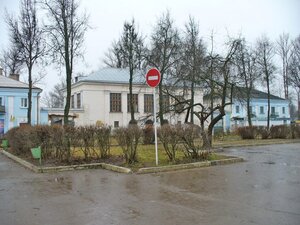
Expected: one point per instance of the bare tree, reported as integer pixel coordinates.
(128, 53)
(164, 53)
(266, 68)
(10, 61)
(193, 61)
(283, 49)
(222, 88)
(55, 98)
(211, 74)
(246, 68)
(294, 69)
(114, 58)
(27, 36)
(66, 30)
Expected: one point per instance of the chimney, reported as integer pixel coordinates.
(15, 76)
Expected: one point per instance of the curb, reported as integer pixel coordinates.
(21, 161)
(39, 169)
(230, 160)
(119, 169)
(293, 141)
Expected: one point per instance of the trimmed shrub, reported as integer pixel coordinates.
(128, 138)
(148, 134)
(263, 132)
(22, 139)
(192, 150)
(170, 136)
(295, 131)
(102, 136)
(248, 132)
(281, 131)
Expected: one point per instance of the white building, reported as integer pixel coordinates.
(103, 96)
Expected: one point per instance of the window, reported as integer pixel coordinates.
(135, 102)
(179, 104)
(115, 102)
(272, 110)
(24, 103)
(283, 110)
(166, 103)
(148, 103)
(261, 110)
(72, 102)
(116, 124)
(251, 109)
(78, 101)
(237, 109)
(1, 101)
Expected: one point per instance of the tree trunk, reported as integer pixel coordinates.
(192, 102)
(68, 98)
(161, 105)
(131, 96)
(269, 103)
(299, 104)
(249, 113)
(68, 62)
(29, 95)
(207, 139)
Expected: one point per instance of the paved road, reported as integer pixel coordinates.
(263, 190)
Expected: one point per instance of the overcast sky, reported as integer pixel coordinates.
(252, 18)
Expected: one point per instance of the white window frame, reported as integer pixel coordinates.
(24, 102)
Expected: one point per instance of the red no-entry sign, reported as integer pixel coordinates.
(153, 77)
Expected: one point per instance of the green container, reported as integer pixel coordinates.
(37, 153)
(4, 144)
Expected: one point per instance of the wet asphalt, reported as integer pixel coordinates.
(263, 190)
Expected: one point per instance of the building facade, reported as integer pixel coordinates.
(237, 112)
(103, 97)
(14, 103)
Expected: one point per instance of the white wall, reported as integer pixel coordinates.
(96, 104)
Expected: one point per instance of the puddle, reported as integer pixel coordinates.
(269, 162)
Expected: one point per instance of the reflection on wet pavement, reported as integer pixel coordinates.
(263, 190)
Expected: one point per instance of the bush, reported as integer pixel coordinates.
(22, 139)
(61, 142)
(44, 139)
(87, 141)
(281, 131)
(190, 133)
(128, 138)
(295, 131)
(148, 134)
(102, 136)
(263, 132)
(170, 137)
(248, 132)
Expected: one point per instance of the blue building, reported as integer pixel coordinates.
(236, 114)
(14, 103)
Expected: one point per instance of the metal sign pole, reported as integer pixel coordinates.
(155, 128)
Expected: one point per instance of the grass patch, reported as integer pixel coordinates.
(146, 156)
